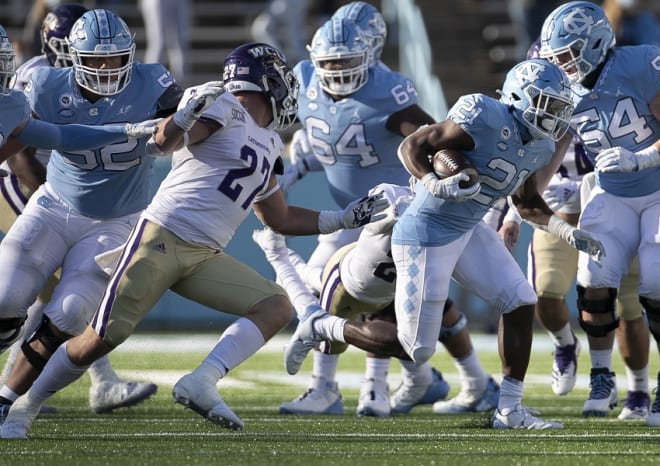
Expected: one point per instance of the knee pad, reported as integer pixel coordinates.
(597, 306)
(11, 330)
(44, 335)
(653, 316)
(422, 354)
(447, 332)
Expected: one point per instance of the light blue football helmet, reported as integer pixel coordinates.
(7, 63)
(540, 95)
(340, 55)
(101, 33)
(371, 23)
(576, 36)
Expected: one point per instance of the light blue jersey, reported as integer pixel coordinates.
(112, 181)
(616, 112)
(503, 161)
(349, 135)
(15, 110)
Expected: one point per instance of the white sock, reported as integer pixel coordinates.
(330, 328)
(237, 343)
(307, 274)
(601, 358)
(564, 336)
(325, 366)
(58, 373)
(376, 369)
(294, 286)
(8, 393)
(638, 380)
(470, 373)
(416, 374)
(101, 371)
(511, 391)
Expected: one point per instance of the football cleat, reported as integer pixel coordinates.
(470, 402)
(105, 397)
(203, 398)
(407, 396)
(654, 416)
(564, 368)
(4, 410)
(303, 340)
(322, 397)
(522, 418)
(603, 396)
(636, 406)
(20, 417)
(374, 400)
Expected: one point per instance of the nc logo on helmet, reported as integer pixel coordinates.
(578, 22)
(529, 71)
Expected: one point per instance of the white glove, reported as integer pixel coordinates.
(356, 214)
(201, 98)
(579, 239)
(448, 188)
(299, 147)
(390, 216)
(557, 195)
(618, 159)
(141, 129)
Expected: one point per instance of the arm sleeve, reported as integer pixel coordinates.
(43, 135)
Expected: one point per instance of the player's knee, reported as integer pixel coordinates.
(422, 354)
(446, 333)
(39, 347)
(605, 306)
(652, 308)
(76, 311)
(10, 331)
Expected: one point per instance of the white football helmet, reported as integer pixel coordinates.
(7, 63)
(540, 95)
(101, 33)
(340, 55)
(371, 23)
(576, 37)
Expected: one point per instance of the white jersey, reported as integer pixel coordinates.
(367, 271)
(212, 185)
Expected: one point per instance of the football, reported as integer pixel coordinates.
(449, 162)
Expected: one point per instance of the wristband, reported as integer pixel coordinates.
(330, 221)
(648, 157)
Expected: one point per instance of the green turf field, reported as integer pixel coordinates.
(159, 432)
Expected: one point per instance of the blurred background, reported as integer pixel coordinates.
(449, 48)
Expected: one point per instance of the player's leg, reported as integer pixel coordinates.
(141, 278)
(223, 283)
(597, 290)
(633, 343)
(479, 392)
(552, 266)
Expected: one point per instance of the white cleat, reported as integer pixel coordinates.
(470, 402)
(105, 397)
(522, 418)
(636, 406)
(20, 417)
(564, 368)
(204, 399)
(374, 399)
(602, 396)
(322, 397)
(302, 341)
(408, 395)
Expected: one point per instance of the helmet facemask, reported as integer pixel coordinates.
(7, 63)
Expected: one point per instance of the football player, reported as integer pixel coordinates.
(354, 112)
(551, 268)
(617, 117)
(440, 236)
(91, 198)
(26, 171)
(226, 154)
(358, 282)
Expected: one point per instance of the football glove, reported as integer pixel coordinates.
(579, 239)
(557, 195)
(618, 159)
(201, 98)
(356, 214)
(141, 129)
(448, 188)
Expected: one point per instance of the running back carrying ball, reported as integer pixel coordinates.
(449, 162)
